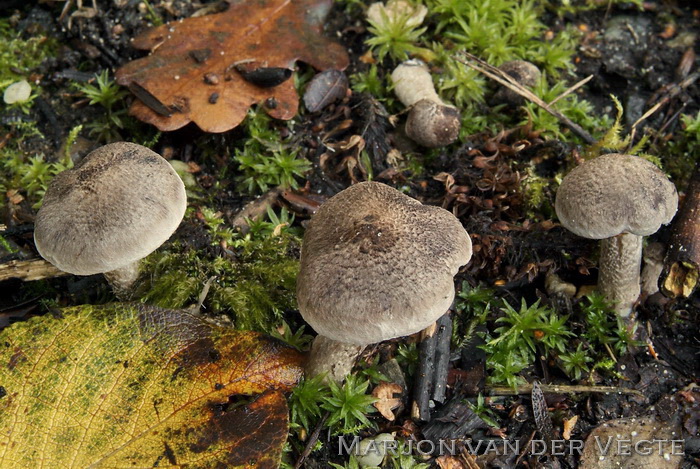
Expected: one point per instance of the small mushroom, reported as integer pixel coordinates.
(375, 265)
(524, 73)
(119, 204)
(431, 123)
(617, 199)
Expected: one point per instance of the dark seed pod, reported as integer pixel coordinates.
(324, 89)
(264, 77)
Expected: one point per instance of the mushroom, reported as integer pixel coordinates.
(431, 123)
(617, 199)
(119, 204)
(375, 265)
(524, 73)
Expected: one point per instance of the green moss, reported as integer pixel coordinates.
(497, 31)
(27, 171)
(265, 159)
(18, 57)
(682, 154)
(539, 194)
(255, 286)
(578, 110)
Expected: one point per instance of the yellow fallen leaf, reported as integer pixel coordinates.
(138, 386)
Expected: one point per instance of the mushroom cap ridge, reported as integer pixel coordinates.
(119, 204)
(377, 264)
(614, 194)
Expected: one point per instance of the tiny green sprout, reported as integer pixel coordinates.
(369, 82)
(395, 33)
(576, 363)
(298, 339)
(349, 405)
(522, 329)
(106, 93)
(305, 402)
(513, 345)
(604, 327)
(407, 356)
(401, 458)
(265, 160)
(484, 411)
(372, 373)
(274, 225)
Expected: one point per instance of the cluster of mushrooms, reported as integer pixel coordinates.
(122, 201)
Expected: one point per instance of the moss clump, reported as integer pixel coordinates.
(255, 286)
(27, 171)
(19, 57)
(497, 31)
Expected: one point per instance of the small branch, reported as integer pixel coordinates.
(424, 377)
(34, 269)
(508, 81)
(431, 380)
(254, 209)
(682, 264)
(442, 357)
(571, 89)
(674, 90)
(557, 388)
(312, 441)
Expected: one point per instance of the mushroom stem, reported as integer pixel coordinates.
(123, 278)
(620, 264)
(431, 123)
(332, 358)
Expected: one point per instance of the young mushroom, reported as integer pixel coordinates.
(524, 73)
(617, 199)
(119, 204)
(375, 265)
(431, 123)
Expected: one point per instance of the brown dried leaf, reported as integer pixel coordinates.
(190, 75)
(387, 402)
(569, 425)
(449, 462)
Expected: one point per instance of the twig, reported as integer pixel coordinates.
(442, 357)
(571, 89)
(34, 269)
(557, 388)
(508, 81)
(255, 209)
(426, 370)
(673, 91)
(312, 441)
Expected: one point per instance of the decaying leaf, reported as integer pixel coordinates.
(634, 443)
(569, 425)
(195, 70)
(386, 402)
(449, 462)
(138, 386)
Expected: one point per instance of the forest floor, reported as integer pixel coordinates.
(499, 179)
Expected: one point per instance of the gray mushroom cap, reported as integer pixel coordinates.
(116, 206)
(614, 194)
(377, 264)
